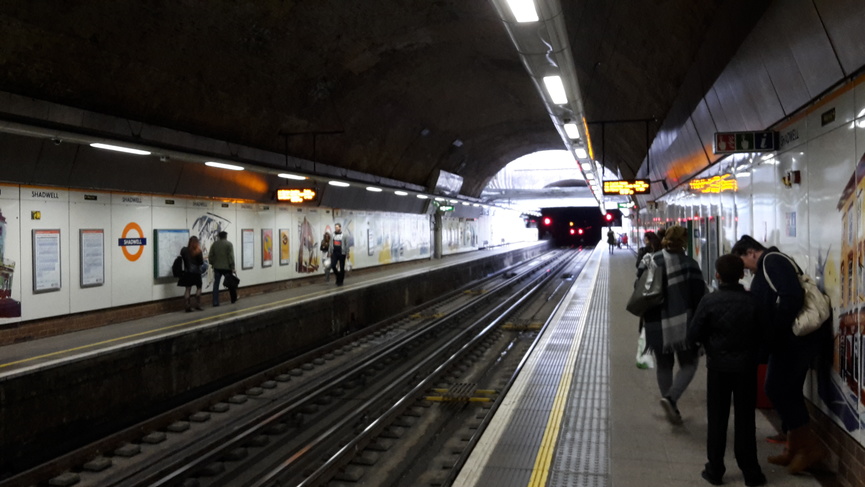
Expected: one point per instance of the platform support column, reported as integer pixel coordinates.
(437, 235)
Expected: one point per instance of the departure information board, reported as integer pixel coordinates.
(295, 195)
(626, 187)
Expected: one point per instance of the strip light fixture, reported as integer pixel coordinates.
(118, 148)
(296, 177)
(523, 10)
(339, 184)
(556, 89)
(222, 165)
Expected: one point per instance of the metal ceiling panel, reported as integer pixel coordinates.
(842, 19)
(705, 128)
(800, 30)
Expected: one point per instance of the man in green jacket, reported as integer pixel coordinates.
(221, 258)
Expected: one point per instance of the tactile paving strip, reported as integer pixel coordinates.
(580, 455)
(582, 452)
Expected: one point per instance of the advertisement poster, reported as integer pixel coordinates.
(283, 246)
(46, 260)
(266, 247)
(9, 307)
(92, 257)
(167, 248)
(247, 248)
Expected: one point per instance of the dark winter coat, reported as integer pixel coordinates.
(727, 323)
(667, 325)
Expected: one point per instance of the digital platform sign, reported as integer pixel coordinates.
(295, 195)
(626, 187)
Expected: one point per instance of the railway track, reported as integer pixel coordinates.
(380, 406)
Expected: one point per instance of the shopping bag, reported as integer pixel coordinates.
(232, 281)
(644, 357)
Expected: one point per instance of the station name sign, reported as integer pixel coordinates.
(295, 195)
(735, 142)
(626, 187)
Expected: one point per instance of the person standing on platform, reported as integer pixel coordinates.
(727, 325)
(667, 324)
(193, 261)
(326, 254)
(338, 254)
(221, 257)
(611, 239)
(790, 356)
(652, 245)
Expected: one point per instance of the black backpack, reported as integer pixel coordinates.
(177, 267)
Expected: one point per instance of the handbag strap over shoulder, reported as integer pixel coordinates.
(791, 261)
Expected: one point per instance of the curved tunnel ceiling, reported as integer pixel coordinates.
(393, 88)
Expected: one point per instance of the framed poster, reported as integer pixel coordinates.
(266, 247)
(166, 248)
(92, 258)
(46, 261)
(283, 246)
(247, 248)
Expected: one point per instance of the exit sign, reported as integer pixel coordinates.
(733, 142)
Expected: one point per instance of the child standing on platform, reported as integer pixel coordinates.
(727, 325)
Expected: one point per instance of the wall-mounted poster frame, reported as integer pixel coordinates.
(284, 240)
(266, 247)
(166, 248)
(92, 259)
(247, 248)
(46, 261)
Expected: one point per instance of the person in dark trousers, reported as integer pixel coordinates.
(727, 325)
(326, 254)
(611, 239)
(338, 254)
(790, 356)
(667, 324)
(221, 257)
(193, 260)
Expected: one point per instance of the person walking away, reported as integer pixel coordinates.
(611, 239)
(727, 325)
(338, 254)
(326, 253)
(221, 257)
(667, 324)
(790, 356)
(193, 261)
(651, 244)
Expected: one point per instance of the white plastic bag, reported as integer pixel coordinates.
(644, 360)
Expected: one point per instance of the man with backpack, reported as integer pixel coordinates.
(776, 287)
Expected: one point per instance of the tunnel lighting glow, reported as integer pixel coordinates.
(556, 89)
(582, 154)
(422, 196)
(400, 193)
(121, 149)
(373, 189)
(571, 130)
(339, 184)
(220, 165)
(291, 176)
(524, 10)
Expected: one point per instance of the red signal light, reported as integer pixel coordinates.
(573, 231)
(609, 217)
(548, 220)
(580, 231)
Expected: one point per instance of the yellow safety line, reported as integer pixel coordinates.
(157, 330)
(544, 459)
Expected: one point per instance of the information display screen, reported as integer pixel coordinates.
(626, 187)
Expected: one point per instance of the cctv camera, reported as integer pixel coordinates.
(56, 140)
(163, 158)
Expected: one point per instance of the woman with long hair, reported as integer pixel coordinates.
(193, 260)
(667, 324)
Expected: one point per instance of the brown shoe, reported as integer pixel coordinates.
(807, 449)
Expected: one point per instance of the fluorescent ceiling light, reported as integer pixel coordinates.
(439, 198)
(742, 174)
(373, 189)
(422, 196)
(582, 154)
(121, 149)
(221, 165)
(291, 176)
(523, 10)
(556, 89)
(477, 205)
(465, 203)
(400, 193)
(587, 166)
(338, 183)
(455, 201)
(590, 175)
(571, 130)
